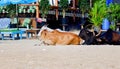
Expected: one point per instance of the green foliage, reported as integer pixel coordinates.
(64, 6)
(98, 12)
(11, 10)
(26, 22)
(1, 7)
(95, 1)
(84, 5)
(113, 26)
(44, 6)
(114, 12)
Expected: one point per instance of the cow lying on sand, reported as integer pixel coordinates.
(111, 37)
(108, 37)
(57, 37)
(89, 37)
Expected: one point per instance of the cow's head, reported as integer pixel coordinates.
(84, 34)
(87, 35)
(44, 28)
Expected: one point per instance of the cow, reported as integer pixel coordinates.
(111, 37)
(58, 37)
(89, 37)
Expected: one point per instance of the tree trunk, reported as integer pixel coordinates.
(63, 12)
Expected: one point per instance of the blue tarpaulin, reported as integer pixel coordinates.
(7, 2)
(22, 1)
(4, 22)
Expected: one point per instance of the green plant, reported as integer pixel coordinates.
(44, 6)
(113, 26)
(64, 6)
(1, 7)
(114, 10)
(84, 6)
(95, 1)
(26, 22)
(98, 12)
(113, 14)
(11, 10)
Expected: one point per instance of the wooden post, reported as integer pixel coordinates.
(37, 10)
(73, 3)
(56, 4)
(74, 10)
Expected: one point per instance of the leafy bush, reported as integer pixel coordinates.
(11, 10)
(44, 6)
(84, 6)
(114, 10)
(113, 14)
(98, 12)
(64, 6)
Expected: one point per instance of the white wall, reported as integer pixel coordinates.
(53, 4)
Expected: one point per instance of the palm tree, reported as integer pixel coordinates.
(84, 6)
(44, 6)
(64, 6)
(11, 10)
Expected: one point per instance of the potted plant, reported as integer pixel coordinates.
(84, 7)
(26, 23)
(1, 9)
(97, 13)
(11, 9)
(64, 6)
(44, 6)
(113, 15)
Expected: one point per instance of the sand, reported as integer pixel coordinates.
(27, 54)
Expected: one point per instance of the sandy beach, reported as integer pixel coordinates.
(27, 54)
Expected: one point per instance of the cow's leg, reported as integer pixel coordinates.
(49, 42)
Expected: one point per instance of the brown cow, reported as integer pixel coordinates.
(56, 37)
(111, 37)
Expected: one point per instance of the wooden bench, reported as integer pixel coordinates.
(33, 33)
(11, 33)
